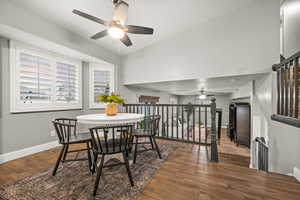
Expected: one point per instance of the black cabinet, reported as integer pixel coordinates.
(240, 123)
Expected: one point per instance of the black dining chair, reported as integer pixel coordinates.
(65, 129)
(108, 140)
(146, 129)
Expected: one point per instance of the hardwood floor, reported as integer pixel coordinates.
(229, 147)
(187, 174)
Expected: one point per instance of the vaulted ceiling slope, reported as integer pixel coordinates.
(168, 17)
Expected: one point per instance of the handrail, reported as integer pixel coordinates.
(275, 67)
(185, 122)
(263, 154)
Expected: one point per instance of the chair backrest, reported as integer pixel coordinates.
(64, 128)
(111, 139)
(151, 124)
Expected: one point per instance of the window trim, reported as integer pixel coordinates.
(92, 68)
(15, 48)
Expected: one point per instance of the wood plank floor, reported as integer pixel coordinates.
(186, 174)
(229, 147)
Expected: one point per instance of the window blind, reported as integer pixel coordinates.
(66, 83)
(35, 78)
(102, 83)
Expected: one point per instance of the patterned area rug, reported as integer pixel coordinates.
(74, 181)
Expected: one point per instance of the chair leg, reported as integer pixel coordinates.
(99, 172)
(150, 138)
(128, 169)
(65, 153)
(58, 160)
(89, 155)
(94, 163)
(135, 150)
(156, 146)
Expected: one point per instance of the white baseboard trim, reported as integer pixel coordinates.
(296, 173)
(27, 151)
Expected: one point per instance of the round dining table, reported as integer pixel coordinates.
(103, 119)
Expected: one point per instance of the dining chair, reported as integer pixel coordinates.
(65, 129)
(109, 140)
(147, 129)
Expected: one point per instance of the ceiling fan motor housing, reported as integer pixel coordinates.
(120, 12)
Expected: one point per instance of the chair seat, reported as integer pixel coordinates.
(141, 133)
(111, 147)
(79, 138)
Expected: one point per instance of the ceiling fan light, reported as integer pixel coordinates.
(202, 96)
(116, 32)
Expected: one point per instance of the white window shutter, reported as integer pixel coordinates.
(66, 83)
(35, 79)
(101, 82)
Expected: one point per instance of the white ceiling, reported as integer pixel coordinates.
(167, 17)
(223, 85)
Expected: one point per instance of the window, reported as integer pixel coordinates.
(101, 82)
(43, 81)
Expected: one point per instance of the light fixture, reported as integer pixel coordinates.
(202, 96)
(116, 32)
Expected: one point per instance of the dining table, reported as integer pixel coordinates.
(102, 119)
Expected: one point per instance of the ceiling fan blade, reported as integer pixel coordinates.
(100, 35)
(139, 29)
(90, 17)
(125, 40)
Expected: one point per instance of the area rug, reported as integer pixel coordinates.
(74, 181)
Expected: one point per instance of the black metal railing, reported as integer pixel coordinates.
(262, 153)
(185, 122)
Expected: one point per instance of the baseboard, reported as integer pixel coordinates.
(27, 151)
(296, 173)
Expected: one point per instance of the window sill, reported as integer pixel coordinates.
(286, 120)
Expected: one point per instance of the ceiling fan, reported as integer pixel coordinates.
(117, 28)
(204, 94)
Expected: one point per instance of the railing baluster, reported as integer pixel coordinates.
(199, 124)
(172, 121)
(193, 124)
(177, 121)
(205, 122)
(188, 124)
(163, 121)
(182, 122)
(167, 121)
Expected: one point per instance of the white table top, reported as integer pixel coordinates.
(103, 119)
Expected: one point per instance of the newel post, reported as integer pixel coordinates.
(214, 146)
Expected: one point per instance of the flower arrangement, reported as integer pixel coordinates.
(113, 98)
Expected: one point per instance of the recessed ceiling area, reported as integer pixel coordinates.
(217, 85)
(168, 17)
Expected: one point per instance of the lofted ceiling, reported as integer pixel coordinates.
(217, 85)
(167, 17)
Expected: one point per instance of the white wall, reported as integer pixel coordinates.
(284, 140)
(242, 42)
(291, 27)
(132, 94)
(242, 92)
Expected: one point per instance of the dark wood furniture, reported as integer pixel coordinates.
(240, 123)
(147, 129)
(66, 131)
(108, 140)
(148, 99)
